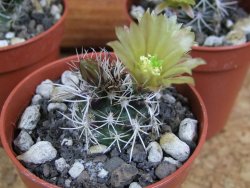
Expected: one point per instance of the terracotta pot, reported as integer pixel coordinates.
(21, 96)
(17, 61)
(220, 80)
(91, 23)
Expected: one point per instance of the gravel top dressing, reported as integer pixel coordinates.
(20, 21)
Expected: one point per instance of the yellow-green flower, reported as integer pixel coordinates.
(155, 51)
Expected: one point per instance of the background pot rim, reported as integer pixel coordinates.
(41, 35)
(24, 171)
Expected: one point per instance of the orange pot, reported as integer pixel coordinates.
(17, 61)
(21, 96)
(220, 80)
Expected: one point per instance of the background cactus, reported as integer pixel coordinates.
(10, 12)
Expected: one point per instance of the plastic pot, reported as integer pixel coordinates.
(220, 80)
(21, 96)
(17, 61)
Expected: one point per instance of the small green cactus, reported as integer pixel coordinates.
(118, 103)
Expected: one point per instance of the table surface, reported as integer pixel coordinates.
(223, 163)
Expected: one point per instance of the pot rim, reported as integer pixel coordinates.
(24, 171)
(41, 35)
(196, 48)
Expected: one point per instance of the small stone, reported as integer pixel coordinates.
(235, 37)
(135, 185)
(100, 158)
(213, 41)
(4, 43)
(36, 100)
(146, 179)
(155, 153)
(16, 40)
(55, 10)
(39, 153)
(47, 22)
(97, 149)
(243, 25)
(32, 25)
(30, 118)
(23, 141)
(9, 35)
(57, 16)
(45, 89)
(168, 98)
(69, 78)
(61, 164)
(43, 3)
(46, 170)
(113, 163)
(200, 38)
(174, 147)
(67, 142)
(229, 23)
(188, 131)
(39, 28)
(59, 94)
(164, 169)
(83, 177)
(139, 154)
(103, 173)
(137, 12)
(173, 161)
(57, 107)
(67, 182)
(76, 169)
(123, 175)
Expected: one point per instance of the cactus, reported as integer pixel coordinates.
(116, 103)
(10, 11)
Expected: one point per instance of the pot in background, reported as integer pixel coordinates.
(21, 96)
(17, 61)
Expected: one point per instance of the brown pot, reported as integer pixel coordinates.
(91, 23)
(21, 96)
(17, 61)
(220, 80)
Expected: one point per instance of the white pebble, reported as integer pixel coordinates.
(23, 141)
(76, 169)
(173, 161)
(45, 89)
(103, 173)
(229, 23)
(135, 185)
(54, 10)
(69, 78)
(213, 41)
(17, 40)
(97, 149)
(59, 94)
(137, 12)
(67, 182)
(30, 118)
(168, 98)
(36, 99)
(39, 153)
(3, 43)
(57, 106)
(9, 35)
(155, 153)
(57, 16)
(43, 3)
(67, 142)
(61, 164)
(173, 146)
(188, 131)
